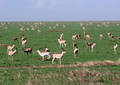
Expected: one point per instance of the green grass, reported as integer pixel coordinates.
(103, 49)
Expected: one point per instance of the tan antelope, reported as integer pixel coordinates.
(74, 37)
(62, 42)
(43, 54)
(9, 48)
(27, 50)
(83, 28)
(75, 51)
(109, 34)
(24, 42)
(115, 48)
(23, 38)
(11, 53)
(58, 56)
(75, 45)
(92, 46)
(87, 36)
(101, 36)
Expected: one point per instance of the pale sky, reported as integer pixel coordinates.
(59, 10)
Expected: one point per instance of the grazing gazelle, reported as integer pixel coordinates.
(92, 46)
(11, 53)
(9, 48)
(43, 54)
(75, 51)
(62, 42)
(115, 48)
(58, 56)
(27, 50)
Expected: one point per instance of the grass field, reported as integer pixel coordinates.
(47, 37)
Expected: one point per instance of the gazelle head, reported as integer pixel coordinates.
(94, 43)
(38, 51)
(63, 52)
(39, 48)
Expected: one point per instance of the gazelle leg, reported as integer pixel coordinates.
(48, 57)
(75, 54)
(60, 60)
(91, 49)
(53, 60)
(65, 45)
(115, 51)
(43, 58)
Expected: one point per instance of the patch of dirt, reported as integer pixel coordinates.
(79, 64)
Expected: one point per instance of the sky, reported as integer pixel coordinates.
(59, 10)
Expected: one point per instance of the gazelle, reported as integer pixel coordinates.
(101, 36)
(115, 48)
(78, 36)
(75, 45)
(24, 42)
(11, 53)
(75, 51)
(109, 34)
(74, 37)
(62, 42)
(83, 28)
(58, 56)
(92, 46)
(43, 54)
(27, 50)
(10, 47)
(23, 38)
(87, 36)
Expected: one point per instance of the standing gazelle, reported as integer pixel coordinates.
(62, 42)
(101, 36)
(43, 54)
(24, 42)
(115, 48)
(92, 46)
(87, 36)
(58, 56)
(75, 51)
